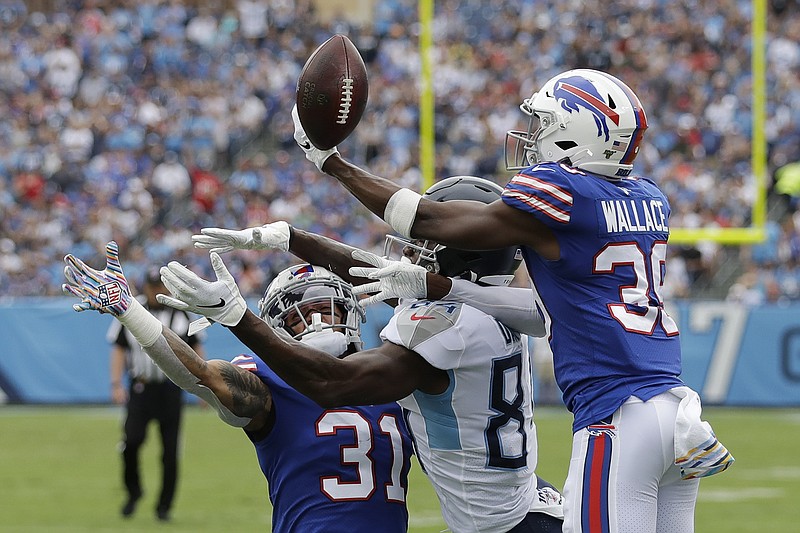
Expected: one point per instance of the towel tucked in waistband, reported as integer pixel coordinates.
(698, 452)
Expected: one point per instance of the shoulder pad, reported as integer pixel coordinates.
(422, 320)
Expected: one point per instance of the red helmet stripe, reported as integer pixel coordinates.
(641, 120)
(593, 101)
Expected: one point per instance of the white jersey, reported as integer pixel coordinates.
(477, 440)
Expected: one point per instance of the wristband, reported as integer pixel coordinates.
(401, 210)
(145, 328)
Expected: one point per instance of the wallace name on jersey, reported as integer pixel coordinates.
(632, 215)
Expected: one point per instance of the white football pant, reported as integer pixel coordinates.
(622, 476)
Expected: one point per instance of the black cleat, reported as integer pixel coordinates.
(162, 515)
(130, 506)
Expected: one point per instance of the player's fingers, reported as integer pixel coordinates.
(366, 302)
(112, 258)
(83, 306)
(182, 273)
(82, 268)
(73, 277)
(75, 263)
(71, 290)
(222, 249)
(205, 241)
(368, 257)
(362, 272)
(172, 281)
(219, 267)
(180, 305)
(389, 271)
(367, 288)
(215, 232)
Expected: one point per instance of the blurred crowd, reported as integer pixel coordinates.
(144, 121)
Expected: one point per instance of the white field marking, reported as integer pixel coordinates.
(28, 411)
(774, 472)
(424, 519)
(738, 495)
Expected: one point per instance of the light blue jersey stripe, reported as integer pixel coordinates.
(441, 424)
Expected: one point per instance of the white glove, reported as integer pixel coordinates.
(396, 279)
(313, 154)
(269, 236)
(219, 300)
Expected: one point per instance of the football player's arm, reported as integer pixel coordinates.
(107, 291)
(462, 224)
(320, 250)
(513, 306)
(228, 388)
(387, 373)
(310, 247)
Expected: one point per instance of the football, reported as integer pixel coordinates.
(332, 92)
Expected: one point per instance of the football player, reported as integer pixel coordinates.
(341, 469)
(462, 376)
(594, 238)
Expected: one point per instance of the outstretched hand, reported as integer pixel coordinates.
(313, 154)
(105, 290)
(396, 279)
(218, 300)
(269, 236)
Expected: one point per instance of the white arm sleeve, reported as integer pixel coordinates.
(161, 353)
(513, 306)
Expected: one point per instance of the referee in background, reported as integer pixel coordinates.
(149, 395)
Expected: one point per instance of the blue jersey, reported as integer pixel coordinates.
(610, 335)
(332, 470)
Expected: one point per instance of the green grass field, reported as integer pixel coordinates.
(60, 472)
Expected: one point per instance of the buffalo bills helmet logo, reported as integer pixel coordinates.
(575, 92)
(303, 271)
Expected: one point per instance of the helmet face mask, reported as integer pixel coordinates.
(490, 267)
(587, 118)
(305, 299)
(415, 251)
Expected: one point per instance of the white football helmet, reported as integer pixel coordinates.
(587, 117)
(294, 289)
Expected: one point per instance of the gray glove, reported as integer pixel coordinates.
(274, 236)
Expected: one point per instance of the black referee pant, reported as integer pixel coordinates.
(153, 401)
